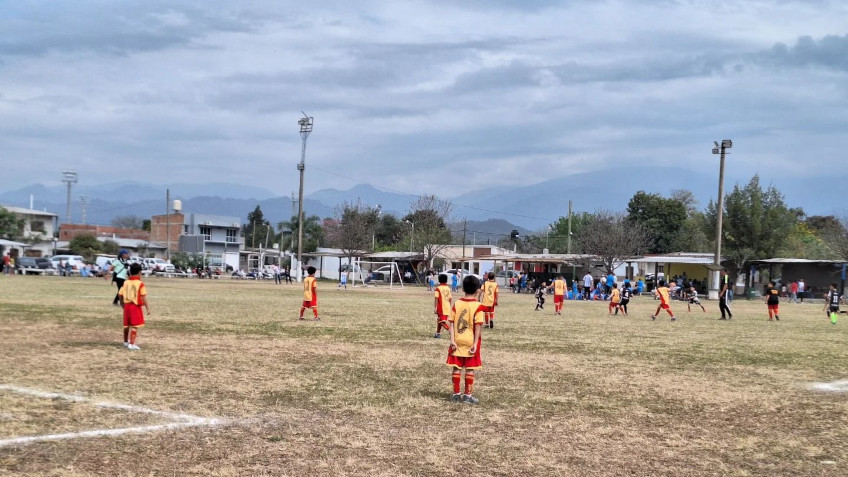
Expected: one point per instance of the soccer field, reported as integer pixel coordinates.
(229, 382)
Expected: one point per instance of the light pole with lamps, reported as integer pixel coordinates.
(722, 150)
(411, 236)
(305, 128)
(379, 210)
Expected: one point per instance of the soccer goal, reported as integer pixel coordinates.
(376, 273)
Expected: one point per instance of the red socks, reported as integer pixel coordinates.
(133, 334)
(302, 309)
(469, 382)
(315, 311)
(456, 377)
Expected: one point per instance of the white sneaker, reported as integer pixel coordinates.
(126, 344)
(133, 347)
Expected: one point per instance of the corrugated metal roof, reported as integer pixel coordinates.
(797, 260)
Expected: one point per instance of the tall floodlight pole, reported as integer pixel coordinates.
(568, 250)
(69, 177)
(305, 128)
(719, 149)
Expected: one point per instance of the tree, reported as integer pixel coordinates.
(354, 229)
(313, 233)
(833, 232)
(85, 245)
(558, 235)
(755, 225)
(613, 239)
(692, 236)
(109, 246)
(11, 226)
(391, 231)
(258, 231)
(661, 218)
(430, 217)
(128, 222)
(187, 261)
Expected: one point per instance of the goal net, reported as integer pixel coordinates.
(369, 273)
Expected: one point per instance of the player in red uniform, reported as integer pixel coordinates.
(488, 296)
(466, 323)
(310, 294)
(442, 305)
(560, 287)
(133, 296)
(662, 293)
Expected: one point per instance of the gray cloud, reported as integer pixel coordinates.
(831, 51)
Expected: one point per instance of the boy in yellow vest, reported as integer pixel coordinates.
(442, 305)
(310, 294)
(662, 293)
(466, 326)
(560, 287)
(489, 298)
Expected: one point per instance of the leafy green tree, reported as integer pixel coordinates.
(109, 246)
(86, 245)
(258, 231)
(354, 229)
(558, 235)
(756, 223)
(692, 236)
(661, 218)
(313, 233)
(11, 226)
(187, 261)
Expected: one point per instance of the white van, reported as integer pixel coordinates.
(158, 265)
(104, 261)
(76, 261)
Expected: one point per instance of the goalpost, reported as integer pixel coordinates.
(372, 273)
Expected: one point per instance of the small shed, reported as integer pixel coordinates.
(817, 274)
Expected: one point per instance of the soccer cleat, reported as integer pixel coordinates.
(126, 344)
(673, 319)
(437, 335)
(317, 319)
(492, 324)
(776, 317)
(723, 318)
(467, 398)
(133, 347)
(456, 397)
(653, 317)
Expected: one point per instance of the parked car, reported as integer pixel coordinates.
(43, 263)
(22, 264)
(76, 261)
(463, 273)
(157, 265)
(502, 278)
(104, 261)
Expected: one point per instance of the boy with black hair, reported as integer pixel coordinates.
(560, 287)
(489, 298)
(772, 301)
(692, 298)
(615, 298)
(662, 293)
(442, 305)
(831, 303)
(540, 297)
(133, 296)
(466, 326)
(626, 293)
(310, 294)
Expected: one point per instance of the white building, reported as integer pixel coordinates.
(39, 228)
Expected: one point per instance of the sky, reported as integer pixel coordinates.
(434, 96)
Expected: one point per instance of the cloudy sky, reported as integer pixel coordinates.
(439, 96)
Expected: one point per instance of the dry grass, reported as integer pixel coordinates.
(364, 391)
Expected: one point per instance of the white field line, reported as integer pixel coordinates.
(181, 420)
(835, 386)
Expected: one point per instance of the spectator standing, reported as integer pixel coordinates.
(587, 285)
(793, 291)
(802, 287)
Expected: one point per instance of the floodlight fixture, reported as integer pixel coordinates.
(726, 143)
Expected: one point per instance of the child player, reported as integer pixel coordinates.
(626, 293)
(466, 325)
(615, 299)
(540, 297)
(560, 287)
(442, 305)
(831, 303)
(310, 294)
(662, 293)
(692, 296)
(342, 281)
(133, 295)
(772, 301)
(489, 298)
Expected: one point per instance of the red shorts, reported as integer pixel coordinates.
(487, 309)
(133, 315)
(443, 317)
(773, 308)
(467, 362)
(664, 306)
(559, 298)
(310, 304)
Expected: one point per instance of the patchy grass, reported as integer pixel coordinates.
(364, 391)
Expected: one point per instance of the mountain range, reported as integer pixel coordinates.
(490, 211)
